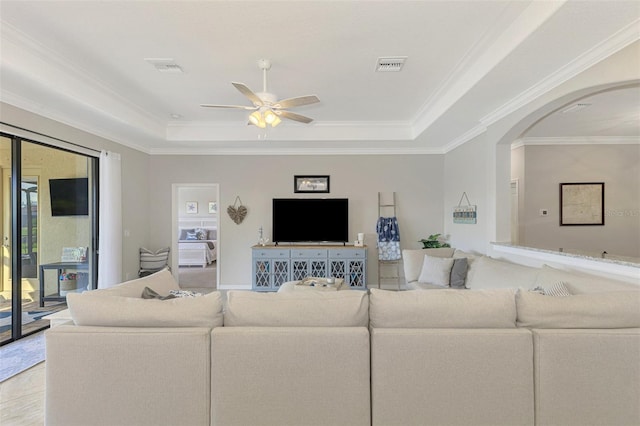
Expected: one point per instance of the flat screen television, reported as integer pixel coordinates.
(69, 197)
(298, 220)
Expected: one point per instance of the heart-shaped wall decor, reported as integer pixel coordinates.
(237, 214)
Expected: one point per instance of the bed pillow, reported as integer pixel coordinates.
(183, 233)
(201, 234)
(436, 270)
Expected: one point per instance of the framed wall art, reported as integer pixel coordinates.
(310, 183)
(192, 207)
(582, 204)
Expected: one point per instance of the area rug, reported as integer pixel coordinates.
(27, 317)
(17, 356)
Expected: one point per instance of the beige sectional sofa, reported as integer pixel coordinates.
(314, 357)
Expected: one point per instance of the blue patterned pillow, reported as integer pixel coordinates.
(191, 236)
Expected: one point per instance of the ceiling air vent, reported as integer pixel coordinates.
(165, 65)
(392, 64)
(576, 107)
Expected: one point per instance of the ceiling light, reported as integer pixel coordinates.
(262, 119)
(256, 119)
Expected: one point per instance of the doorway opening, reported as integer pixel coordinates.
(196, 236)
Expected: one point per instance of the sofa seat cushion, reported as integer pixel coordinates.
(162, 282)
(105, 310)
(412, 260)
(447, 308)
(618, 309)
(486, 272)
(580, 282)
(297, 309)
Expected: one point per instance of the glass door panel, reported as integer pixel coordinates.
(6, 293)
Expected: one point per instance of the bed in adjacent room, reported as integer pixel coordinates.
(197, 246)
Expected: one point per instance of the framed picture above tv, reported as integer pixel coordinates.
(311, 183)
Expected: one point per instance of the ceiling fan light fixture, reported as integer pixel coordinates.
(256, 119)
(270, 117)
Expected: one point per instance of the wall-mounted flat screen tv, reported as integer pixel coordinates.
(69, 197)
(310, 220)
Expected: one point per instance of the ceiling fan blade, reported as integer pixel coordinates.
(248, 108)
(293, 116)
(297, 101)
(248, 93)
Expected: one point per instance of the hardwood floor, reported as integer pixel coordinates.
(22, 398)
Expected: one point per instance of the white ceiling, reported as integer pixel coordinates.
(468, 63)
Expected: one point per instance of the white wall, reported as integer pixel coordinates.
(416, 179)
(135, 184)
(546, 166)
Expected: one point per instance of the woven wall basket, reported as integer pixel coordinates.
(237, 212)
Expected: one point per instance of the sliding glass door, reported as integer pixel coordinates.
(49, 231)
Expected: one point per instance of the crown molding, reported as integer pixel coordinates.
(600, 52)
(504, 37)
(576, 140)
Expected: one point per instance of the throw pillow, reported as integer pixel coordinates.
(147, 293)
(192, 236)
(458, 273)
(201, 234)
(558, 289)
(184, 293)
(436, 270)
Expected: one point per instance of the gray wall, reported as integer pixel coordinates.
(546, 166)
(416, 179)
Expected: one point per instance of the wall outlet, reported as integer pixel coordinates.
(544, 212)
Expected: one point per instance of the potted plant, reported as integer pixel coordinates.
(433, 242)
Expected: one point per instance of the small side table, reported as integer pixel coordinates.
(58, 266)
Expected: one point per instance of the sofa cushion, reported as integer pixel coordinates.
(162, 282)
(446, 308)
(413, 259)
(436, 270)
(486, 272)
(617, 309)
(99, 309)
(345, 308)
(580, 282)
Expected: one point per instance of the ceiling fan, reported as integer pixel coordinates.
(267, 109)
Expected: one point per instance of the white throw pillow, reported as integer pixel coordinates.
(436, 270)
(412, 260)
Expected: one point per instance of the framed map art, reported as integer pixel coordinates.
(582, 204)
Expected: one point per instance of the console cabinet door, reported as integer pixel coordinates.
(271, 268)
(308, 263)
(349, 264)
